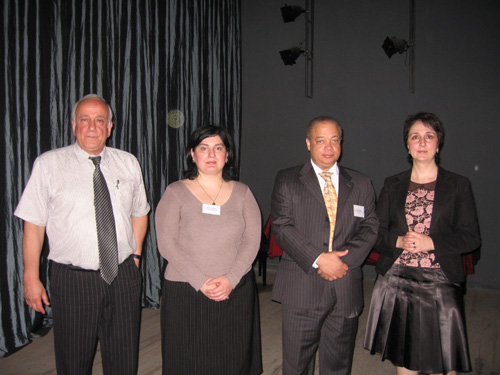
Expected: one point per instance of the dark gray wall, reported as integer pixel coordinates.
(457, 76)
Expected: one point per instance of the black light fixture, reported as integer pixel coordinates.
(394, 45)
(289, 56)
(291, 12)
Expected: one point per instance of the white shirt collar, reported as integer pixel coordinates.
(334, 169)
(83, 156)
(335, 176)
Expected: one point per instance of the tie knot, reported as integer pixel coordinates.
(327, 176)
(96, 160)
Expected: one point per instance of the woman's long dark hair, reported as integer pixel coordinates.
(197, 137)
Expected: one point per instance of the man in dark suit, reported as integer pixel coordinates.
(319, 280)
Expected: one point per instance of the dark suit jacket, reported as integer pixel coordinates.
(454, 226)
(301, 227)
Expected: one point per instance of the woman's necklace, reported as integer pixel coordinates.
(208, 195)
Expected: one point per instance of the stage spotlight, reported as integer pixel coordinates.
(289, 56)
(394, 45)
(291, 12)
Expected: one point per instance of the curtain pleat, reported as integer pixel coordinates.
(148, 59)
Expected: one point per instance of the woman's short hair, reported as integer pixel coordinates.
(430, 120)
(197, 137)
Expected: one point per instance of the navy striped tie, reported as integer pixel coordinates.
(105, 221)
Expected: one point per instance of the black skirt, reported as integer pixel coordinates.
(416, 320)
(201, 336)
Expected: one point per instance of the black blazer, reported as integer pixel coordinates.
(454, 225)
(301, 228)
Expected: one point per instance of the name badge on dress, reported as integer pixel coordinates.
(359, 211)
(211, 209)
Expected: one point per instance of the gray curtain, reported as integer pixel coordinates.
(147, 58)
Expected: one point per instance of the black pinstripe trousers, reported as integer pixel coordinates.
(86, 309)
(304, 330)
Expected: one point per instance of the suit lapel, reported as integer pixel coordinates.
(442, 193)
(401, 191)
(310, 180)
(345, 187)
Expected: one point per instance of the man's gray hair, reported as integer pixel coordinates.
(92, 96)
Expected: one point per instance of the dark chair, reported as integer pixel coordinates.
(262, 257)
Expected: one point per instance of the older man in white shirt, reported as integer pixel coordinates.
(59, 200)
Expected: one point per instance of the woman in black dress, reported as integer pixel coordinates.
(427, 221)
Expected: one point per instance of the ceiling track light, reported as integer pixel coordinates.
(394, 45)
(289, 56)
(291, 12)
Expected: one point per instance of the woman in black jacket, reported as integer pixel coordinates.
(427, 221)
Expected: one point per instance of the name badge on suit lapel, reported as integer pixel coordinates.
(359, 211)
